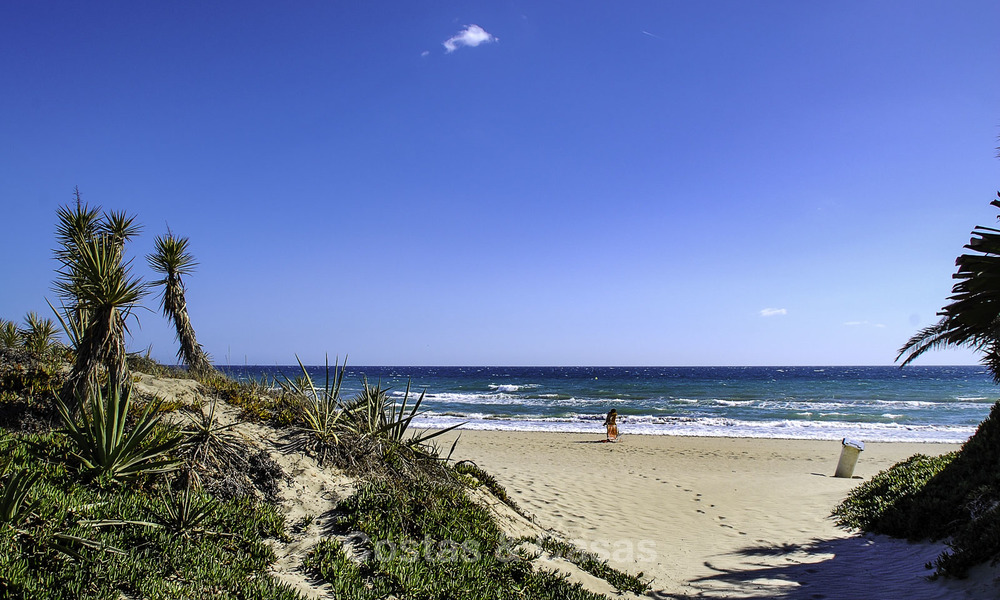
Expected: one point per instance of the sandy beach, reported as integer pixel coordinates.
(717, 517)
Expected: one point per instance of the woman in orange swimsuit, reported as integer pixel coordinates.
(610, 423)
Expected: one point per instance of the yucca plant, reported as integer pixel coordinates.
(39, 335)
(186, 513)
(107, 448)
(173, 261)
(377, 415)
(321, 410)
(100, 280)
(208, 444)
(10, 335)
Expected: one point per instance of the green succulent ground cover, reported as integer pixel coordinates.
(955, 496)
(80, 539)
(425, 539)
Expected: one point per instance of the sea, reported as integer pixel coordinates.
(869, 403)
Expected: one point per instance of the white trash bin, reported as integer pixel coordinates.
(849, 457)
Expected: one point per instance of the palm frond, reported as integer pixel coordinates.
(971, 319)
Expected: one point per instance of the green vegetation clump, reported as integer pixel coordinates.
(887, 502)
(257, 401)
(595, 565)
(954, 496)
(426, 539)
(70, 539)
(475, 476)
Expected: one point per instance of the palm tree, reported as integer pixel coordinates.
(172, 260)
(972, 319)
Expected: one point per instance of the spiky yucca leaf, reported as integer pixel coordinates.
(208, 444)
(106, 447)
(398, 420)
(118, 227)
(74, 224)
(14, 502)
(185, 514)
(321, 409)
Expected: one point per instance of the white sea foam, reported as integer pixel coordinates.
(511, 388)
(716, 427)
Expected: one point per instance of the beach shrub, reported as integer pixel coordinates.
(953, 496)
(145, 364)
(256, 400)
(886, 502)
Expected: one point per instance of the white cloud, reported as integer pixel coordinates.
(771, 312)
(864, 323)
(425, 53)
(471, 36)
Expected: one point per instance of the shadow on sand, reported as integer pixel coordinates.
(859, 567)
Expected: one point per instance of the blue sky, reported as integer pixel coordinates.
(586, 183)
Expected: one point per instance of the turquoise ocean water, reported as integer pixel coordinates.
(940, 404)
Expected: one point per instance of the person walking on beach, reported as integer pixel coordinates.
(612, 425)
